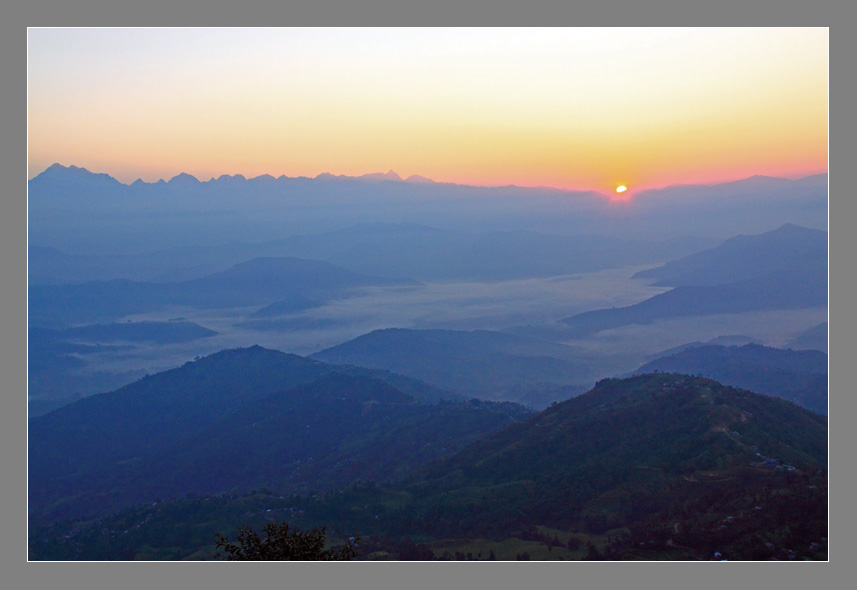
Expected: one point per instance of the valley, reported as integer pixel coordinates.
(443, 393)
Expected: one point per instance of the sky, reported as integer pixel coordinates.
(586, 109)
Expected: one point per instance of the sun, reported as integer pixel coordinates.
(621, 188)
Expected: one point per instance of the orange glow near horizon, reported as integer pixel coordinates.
(487, 107)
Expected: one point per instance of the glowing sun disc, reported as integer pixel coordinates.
(621, 189)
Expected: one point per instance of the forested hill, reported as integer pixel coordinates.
(160, 409)
(243, 419)
(657, 466)
(628, 452)
(673, 423)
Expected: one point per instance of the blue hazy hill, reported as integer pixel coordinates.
(782, 269)
(790, 249)
(799, 376)
(261, 281)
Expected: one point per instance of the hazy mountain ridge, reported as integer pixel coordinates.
(480, 363)
(56, 372)
(796, 376)
(737, 190)
(260, 281)
(733, 340)
(813, 338)
(69, 174)
(752, 295)
(788, 249)
(55, 357)
(147, 331)
(782, 269)
(381, 249)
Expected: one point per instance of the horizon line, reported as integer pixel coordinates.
(392, 176)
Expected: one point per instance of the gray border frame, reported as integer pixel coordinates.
(418, 575)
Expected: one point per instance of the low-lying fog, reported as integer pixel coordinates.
(530, 306)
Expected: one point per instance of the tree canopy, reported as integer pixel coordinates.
(282, 543)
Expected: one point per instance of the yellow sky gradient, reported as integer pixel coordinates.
(570, 108)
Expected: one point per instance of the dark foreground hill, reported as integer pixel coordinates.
(615, 454)
(651, 467)
(158, 409)
(239, 420)
(799, 376)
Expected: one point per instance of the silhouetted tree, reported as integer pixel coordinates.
(281, 543)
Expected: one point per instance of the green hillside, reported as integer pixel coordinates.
(657, 466)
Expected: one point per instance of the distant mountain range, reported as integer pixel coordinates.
(70, 174)
(782, 269)
(799, 376)
(80, 212)
(74, 174)
(379, 249)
